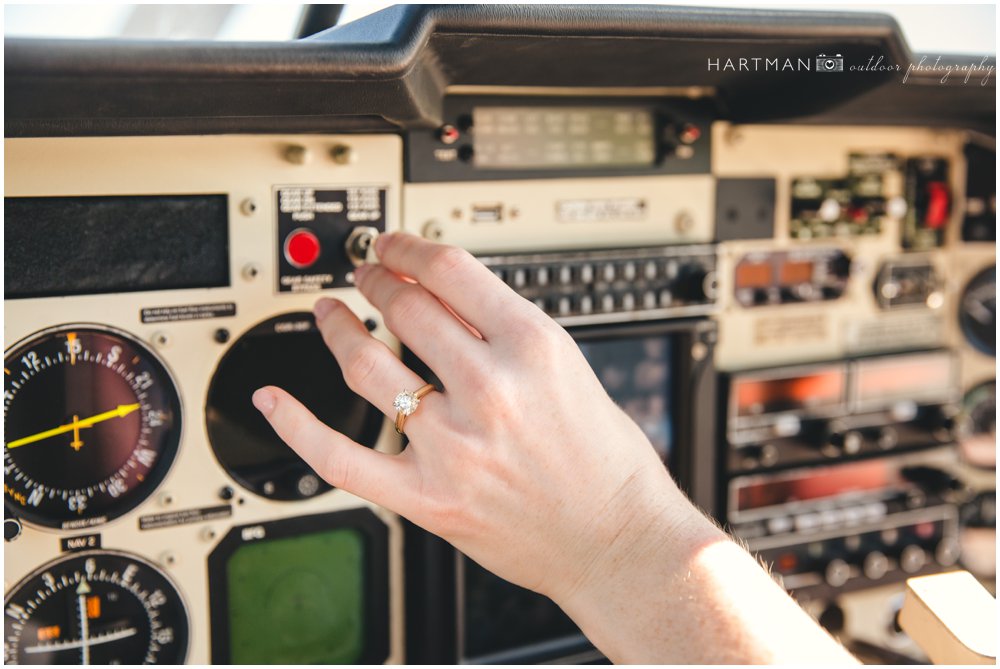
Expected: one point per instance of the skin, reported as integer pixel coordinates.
(526, 465)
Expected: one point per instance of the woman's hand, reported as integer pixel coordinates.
(526, 465)
(523, 462)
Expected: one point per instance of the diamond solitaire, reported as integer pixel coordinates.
(406, 403)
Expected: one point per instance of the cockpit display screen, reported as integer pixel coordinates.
(518, 138)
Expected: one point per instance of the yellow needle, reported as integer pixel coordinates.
(122, 411)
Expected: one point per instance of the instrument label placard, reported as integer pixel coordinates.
(187, 312)
(185, 517)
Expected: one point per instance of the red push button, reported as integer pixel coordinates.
(301, 248)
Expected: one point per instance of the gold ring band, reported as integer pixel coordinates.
(406, 403)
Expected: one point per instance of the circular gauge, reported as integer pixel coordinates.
(97, 607)
(286, 351)
(979, 413)
(977, 313)
(92, 423)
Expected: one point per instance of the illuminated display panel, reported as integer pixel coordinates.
(903, 376)
(819, 388)
(754, 275)
(517, 138)
(793, 272)
(820, 483)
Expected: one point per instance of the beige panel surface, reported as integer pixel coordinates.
(675, 210)
(769, 335)
(244, 168)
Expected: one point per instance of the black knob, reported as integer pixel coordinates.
(695, 283)
(848, 442)
(832, 618)
(760, 455)
(11, 529)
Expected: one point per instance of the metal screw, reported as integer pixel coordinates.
(221, 335)
(684, 221)
(432, 230)
(208, 534)
(296, 154)
(251, 271)
(161, 339)
(248, 207)
(168, 559)
(226, 492)
(342, 154)
(166, 499)
(371, 324)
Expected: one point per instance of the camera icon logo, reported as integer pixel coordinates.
(826, 63)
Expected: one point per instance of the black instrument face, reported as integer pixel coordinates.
(92, 422)
(977, 312)
(286, 351)
(980, 411)
(95, 608)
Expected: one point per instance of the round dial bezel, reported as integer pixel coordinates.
(167, 457)
(102, 552)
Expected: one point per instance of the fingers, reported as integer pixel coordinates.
(370, 368)
(419, 319)
(345, 464)
(476, 295)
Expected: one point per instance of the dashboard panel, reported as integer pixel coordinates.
(795, 302)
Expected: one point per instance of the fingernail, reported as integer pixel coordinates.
(322, 308)
(264, 400)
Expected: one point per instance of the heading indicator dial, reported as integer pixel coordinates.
(93, 423)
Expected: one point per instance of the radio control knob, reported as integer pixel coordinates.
(586, 274)
(608, 272)
(947, 552)
(837, 573)
(912, 559)
(565, 275)
(608, 302)
(875, 565)
(649, 270)
(762, 455)
(628, 302)
(691, 283)
(586, 304)
(843, 443)
(542, 276)
(888, 437)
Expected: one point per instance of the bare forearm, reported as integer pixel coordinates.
(679, 591)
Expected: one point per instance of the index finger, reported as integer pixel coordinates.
(453, 275)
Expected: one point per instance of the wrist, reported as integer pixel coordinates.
(652, 534)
